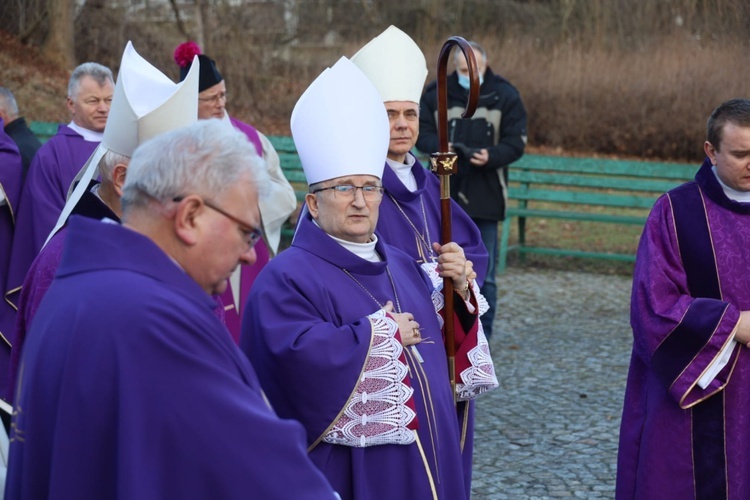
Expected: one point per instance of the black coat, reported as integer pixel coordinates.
(27, 142)
(499, 125)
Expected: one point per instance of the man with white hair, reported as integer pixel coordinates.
(344, 331)
(56, 164)
(147, 396)
(145, 104)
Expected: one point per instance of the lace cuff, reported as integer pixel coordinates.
(381, 409)
(478, 373)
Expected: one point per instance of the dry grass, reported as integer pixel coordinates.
(648, 103)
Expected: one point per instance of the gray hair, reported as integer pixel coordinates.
(98, 72)
(457, 52)
(108, 163)
(8, 102)
(206, 158)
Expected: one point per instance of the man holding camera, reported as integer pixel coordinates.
(486, 144)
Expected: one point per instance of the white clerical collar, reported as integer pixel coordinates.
(403, 171)
(88, 135)
(363, 250)
(732, 194)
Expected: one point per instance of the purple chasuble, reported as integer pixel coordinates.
(678, 440)
(44, 193)
(233, 317)
(314, 336)
(39, 278)
(144, 396)
(411, 221)
(11, 173)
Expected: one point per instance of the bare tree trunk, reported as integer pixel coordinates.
(180, 25)
(58, 46)
(201, 18)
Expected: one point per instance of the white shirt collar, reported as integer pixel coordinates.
(732, 194)
(88, 135)
(403, 171)
(363, 250)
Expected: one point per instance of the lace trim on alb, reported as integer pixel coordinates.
(480, 376)
(377, 413)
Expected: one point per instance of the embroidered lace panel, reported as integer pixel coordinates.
(377, 412)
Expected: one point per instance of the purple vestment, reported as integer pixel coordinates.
(329, 357)
(411, 221)
(145, 395)
(11, 172)
(39, 278)
(677, 439)
(44, 192)
(233, 317)
(398, 231)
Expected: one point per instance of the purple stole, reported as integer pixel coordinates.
(233, 316)
(696, 250)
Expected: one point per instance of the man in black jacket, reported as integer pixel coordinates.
(486, 144)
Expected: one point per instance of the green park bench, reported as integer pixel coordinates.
(583, 189)
(292, 168)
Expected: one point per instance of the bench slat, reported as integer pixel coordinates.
(607, 167)
(583, 216)
(582, 197)
(573, 179)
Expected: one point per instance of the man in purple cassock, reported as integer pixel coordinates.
(11, 172)
(276, 205)
(410, 213)
(149, 397)
(684, 430)
(55, 166)
(135, 116)
(344, 330)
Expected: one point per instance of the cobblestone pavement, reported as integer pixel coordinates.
(561, 347)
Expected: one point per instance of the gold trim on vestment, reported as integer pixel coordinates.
(426, 466)
(465, 425)
(7, 297)
(7, 202)
(429, 406)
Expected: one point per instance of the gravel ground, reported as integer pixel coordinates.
(561, 349)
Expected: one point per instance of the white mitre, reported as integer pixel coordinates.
(395, 64)
(145, 104)
(339, 127)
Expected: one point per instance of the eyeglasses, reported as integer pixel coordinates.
(221, 96)
(347, 191)
(250, 234)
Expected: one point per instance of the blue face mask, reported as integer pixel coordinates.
(463, 80)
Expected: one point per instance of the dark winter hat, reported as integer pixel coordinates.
(209, 75)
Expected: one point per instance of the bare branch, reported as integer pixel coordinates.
(180, 25)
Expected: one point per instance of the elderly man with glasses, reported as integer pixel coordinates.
(343, 328)
(147, 396)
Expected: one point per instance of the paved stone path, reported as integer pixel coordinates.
(561, 349)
